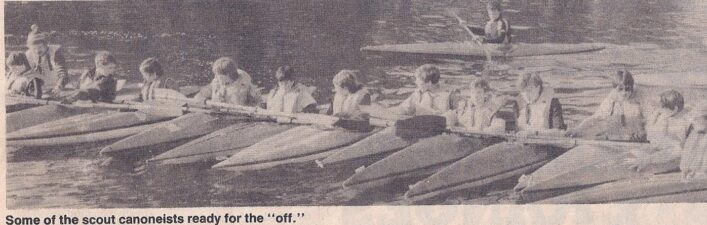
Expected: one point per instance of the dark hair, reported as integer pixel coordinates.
(481, 84)
(17, 59)
(285, 73)
(104, 58)
(428, 73)
(625, 78)
(348, 80)
(672, 99)
(151, 65)
(225, 66)
(529, 79)
(494, 5)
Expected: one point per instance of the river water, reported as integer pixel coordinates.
(319, 38)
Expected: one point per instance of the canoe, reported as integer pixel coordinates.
(373, 147)
(105, 122)
(38, 115)
(472, 50)
(494, 163)
(80, 139)
(587, 165)
(220, 144)
(315, 144)
(167, 135)
(423, 158)
(664, 188)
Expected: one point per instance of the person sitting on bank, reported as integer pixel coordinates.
(497, 29)
(153, 79)
(349, 93)
(20, 78)
(479, 111)
(98, 84)
(290, 96)
(537, 111)
(428, 98)
(667, 129)
(619, 116)
(48, 61)
(230, 85)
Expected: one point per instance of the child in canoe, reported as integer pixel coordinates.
(479, 112)
(350, 94)
(98, 84)
(667, 128)
(153, 79)
(21, 80)
(290, 96)
(497, 29)
(619, 116)
(537, 111)
(428, 98)
(230, 85)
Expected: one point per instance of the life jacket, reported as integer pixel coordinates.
(349, 102)
(147, 92)
(667, 132)
(238, 92)
(475, 117)
(420, 102)
(497, 31)
(544, 113)
(293, 100)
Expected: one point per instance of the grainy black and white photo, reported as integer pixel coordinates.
(181, 104)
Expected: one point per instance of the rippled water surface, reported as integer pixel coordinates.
(649, 37)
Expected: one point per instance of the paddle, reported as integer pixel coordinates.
(475, 37)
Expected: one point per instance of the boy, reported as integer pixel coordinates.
(618, 117)
(350, 94)
(20, 78)
(290, 96)
(98, 84)
(667, 129)
(479, 112)
(497, 29)
(230, 85)
(153, 78)
(48, 61)
(428, 98)
(537, 110)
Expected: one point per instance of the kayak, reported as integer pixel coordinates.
(473, 50)
(664, 188)
(423, 158)
(587, 165)
(167, 135)
(98, 138)
(38, 115)
(220, 144)
(373, 147)
(494, 163)
(314, 144)
(102, 122)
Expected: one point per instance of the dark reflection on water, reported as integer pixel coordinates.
(319, 38)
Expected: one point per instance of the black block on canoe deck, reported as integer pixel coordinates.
(420, 126)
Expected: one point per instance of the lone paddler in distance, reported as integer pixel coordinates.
(496, 31)
(230, 85)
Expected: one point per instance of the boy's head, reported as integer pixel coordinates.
(347, 81)
(493, 8)
(106, 63)
(285, 76)
(17, 61)
(623, 83)
(225, 68)
(426, 76)
(672, 100)
(530, 85)
(151, 69)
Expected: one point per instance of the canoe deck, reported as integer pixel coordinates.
(473, 50)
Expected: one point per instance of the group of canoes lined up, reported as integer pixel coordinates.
(436, 141)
